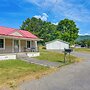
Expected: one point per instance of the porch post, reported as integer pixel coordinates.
(19, 45)
(36, 46)
(13, 45)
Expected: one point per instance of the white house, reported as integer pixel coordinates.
(57, 45)
(15, 41)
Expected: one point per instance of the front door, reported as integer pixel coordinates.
(16, 46)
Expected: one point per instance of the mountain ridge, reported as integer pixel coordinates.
(83, 37)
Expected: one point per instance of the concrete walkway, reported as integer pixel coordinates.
(71, 77)
(39, 62)
(42, 62)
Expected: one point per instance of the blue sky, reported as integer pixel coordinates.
(14, 12)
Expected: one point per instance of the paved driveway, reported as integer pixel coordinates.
(81, 55)
(71, 77)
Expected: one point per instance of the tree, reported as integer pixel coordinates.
(43, 29)
(88, 43)
(84, 43)
(68, 30)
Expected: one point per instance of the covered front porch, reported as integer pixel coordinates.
(14, 45)
(11, 48)
(14, 42)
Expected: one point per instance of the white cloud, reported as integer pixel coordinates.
(66, 8)
(43, 17)
(55, 23)
(37, 2)
(71, 10)
(84, 34)
(43, 2)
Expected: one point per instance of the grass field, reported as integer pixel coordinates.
(54, 56)
(16, 70)
(11, 70)
(87, 50)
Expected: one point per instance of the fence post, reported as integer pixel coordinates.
(65, 56)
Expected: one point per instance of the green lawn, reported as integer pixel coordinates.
(87, 50)
(15, 69)
(54, 56)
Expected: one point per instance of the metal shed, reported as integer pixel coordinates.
(57, 45)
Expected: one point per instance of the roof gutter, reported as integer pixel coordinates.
(20, 38)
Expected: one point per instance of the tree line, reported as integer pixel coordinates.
(65, 30)
(84, 43)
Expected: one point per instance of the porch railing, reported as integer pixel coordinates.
(9, 49)
(31, 49)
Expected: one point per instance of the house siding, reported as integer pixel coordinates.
(23, 45)
(57, 45)
(8, 46)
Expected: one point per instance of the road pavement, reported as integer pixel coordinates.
(70, 77)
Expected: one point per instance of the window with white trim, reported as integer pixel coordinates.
(1, 43)
(28, 44)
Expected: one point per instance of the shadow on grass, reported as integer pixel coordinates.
(60, 61)
(65, 63)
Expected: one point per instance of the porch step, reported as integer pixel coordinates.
(21, 55)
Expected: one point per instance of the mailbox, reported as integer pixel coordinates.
(68, 50)
(65, 53)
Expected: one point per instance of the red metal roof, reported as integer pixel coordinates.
(25, 34)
